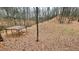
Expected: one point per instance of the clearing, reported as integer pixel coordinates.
(52, 37)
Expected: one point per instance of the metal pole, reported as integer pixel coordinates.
(37, 24)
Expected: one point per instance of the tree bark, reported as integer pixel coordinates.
(1, 39)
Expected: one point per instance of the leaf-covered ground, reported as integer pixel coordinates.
(52, 37)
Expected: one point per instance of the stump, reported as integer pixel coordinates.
(1, 39)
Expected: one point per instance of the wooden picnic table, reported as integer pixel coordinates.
(16, 28)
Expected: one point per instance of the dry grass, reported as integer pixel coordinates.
(52, 37)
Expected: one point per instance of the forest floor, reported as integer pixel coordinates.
(52, 37)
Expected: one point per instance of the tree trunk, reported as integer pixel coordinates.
(37, 23)
(1, 39)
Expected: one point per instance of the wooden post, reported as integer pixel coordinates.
(12, 33)
(6, 31)
(37, 24)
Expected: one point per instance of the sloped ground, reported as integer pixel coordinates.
(52, 37)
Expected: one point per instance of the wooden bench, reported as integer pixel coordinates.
(16, 28)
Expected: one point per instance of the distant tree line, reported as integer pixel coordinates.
(44, 13)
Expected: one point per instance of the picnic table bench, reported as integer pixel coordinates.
(16, 28)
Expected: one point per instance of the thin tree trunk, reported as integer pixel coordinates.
(24, 15)
(37, 24)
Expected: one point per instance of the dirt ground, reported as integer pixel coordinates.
(52, 37)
